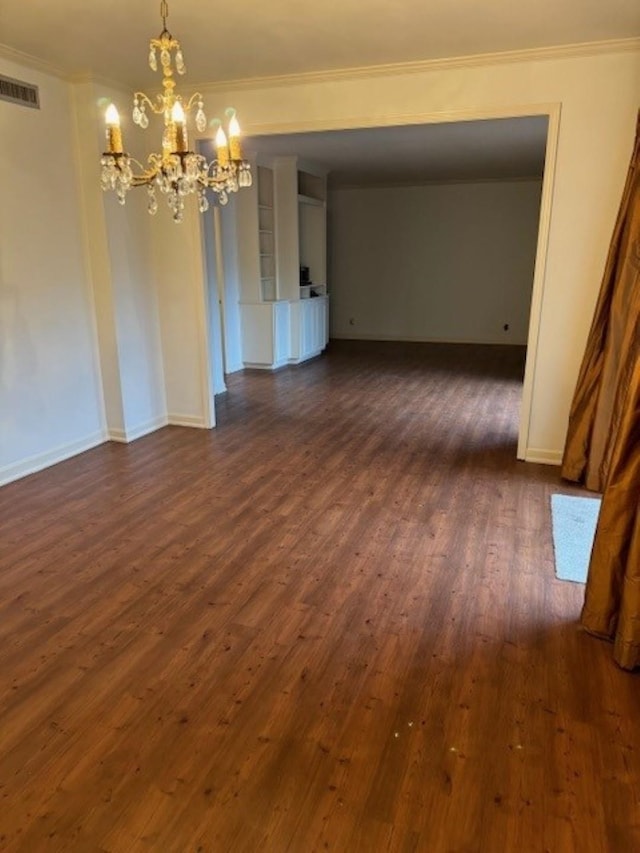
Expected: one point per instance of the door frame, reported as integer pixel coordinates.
(551, 111)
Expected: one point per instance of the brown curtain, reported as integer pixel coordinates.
(603, 443)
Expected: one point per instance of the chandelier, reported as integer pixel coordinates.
(177, 171)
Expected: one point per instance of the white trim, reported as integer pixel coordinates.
(99, 81)
(360, 122)
(314, 354)
(221, 286)
(543, 457)
(196, 421)
(26, 60)
(31, 464)
(536, 54)
(552, 111)
(564, 51)
(353, 336)
(277, 365)
(537, 292)
(42, 66)
(202, 318)
(268, 302)
(127, 435)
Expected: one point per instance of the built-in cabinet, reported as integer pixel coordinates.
(309, 327)
(282, 227)
(265, 334)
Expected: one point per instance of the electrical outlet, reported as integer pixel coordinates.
(352, 321)
(506, 327)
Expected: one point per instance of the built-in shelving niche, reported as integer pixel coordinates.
(266, 229)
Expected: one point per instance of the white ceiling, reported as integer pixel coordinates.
(494, 149)
(229, 41)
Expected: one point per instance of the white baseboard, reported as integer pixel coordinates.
(233, 368)
(35, 463)
(124, 436)
(544, 457)
(306, 357)
(187, 421)
(250, 365)
(354, 336)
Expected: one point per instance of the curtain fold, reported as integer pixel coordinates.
(594, 417)
(603, 442)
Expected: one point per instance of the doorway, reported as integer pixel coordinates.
(347, 150)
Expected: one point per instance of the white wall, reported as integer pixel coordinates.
(80, 344)
(598, 93)
(50, 387)
(118, 250)
(136, 315)
(178, 263)
(148, 275)
(449, 262)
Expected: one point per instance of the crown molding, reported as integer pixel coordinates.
(566, 51)
(97, 80)
(31, 62)
(40, 65)
(558, 52)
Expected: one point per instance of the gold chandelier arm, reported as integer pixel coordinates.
(194, 99)
(145, 175)
(142, 180)
(145, 99)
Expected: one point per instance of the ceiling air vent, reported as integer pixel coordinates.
(19, 92)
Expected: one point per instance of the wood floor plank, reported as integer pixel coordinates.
(332, 623)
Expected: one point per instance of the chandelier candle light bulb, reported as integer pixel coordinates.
(222, 149)
(114, 134)
(179, 119)
(235, 151)
(176, 171)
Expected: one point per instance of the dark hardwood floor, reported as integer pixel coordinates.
(330, 624)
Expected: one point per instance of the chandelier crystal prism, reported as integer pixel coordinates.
(176, 172)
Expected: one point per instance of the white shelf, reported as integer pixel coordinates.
(266, 223)
(307, 199)
(268, 289)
